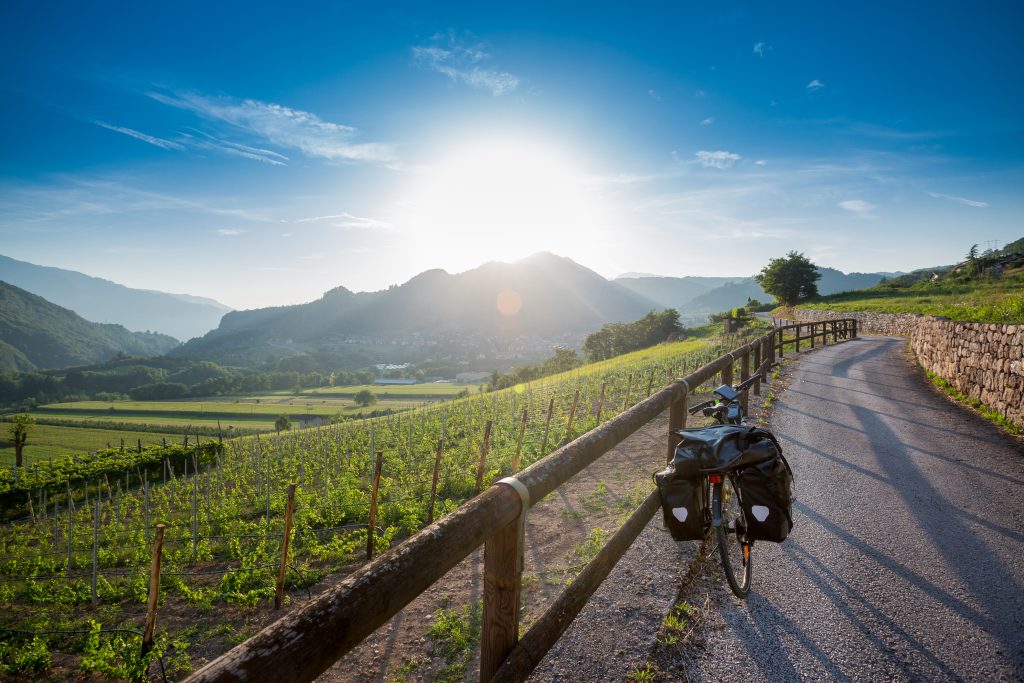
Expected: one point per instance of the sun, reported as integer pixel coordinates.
(501, 198)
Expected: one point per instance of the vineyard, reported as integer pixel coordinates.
(74, 571)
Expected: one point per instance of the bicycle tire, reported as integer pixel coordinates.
(733, 548)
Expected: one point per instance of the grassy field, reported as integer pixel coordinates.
(47, 441)
(423, 391)
(987, 301)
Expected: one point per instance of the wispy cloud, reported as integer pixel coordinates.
(229, 232)
(347, 221)
(278, 125)
(859, 207)
(815, 85)
(962, 200)
(717, 159)
(761, 47)
(207, 141)
(462, 62)
(654, 94)
(760, 162)
(156, 142)
(708, 121)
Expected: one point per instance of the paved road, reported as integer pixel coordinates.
(906, 561)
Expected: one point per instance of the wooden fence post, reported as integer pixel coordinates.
(814, 328)
(503, 569)
(433, 483)
(727, 371)
(853, 334)
(572, 415)
(650, 383)
(547, 426)
(154, 590)
(782, 343)
(629, 390)
(798, 326)
(373, 504)
(95, 546)
(289, 511)
(600, 402)
(519, 442)
(71, 527)
(484, 448)
(744, 376)
(758, 369)
(676, 420)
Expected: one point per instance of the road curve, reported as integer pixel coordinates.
(906, 561)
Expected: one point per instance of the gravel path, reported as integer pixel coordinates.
(906, 561)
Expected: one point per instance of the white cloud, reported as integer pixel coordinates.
(859, 207)
(718, 159)
(461, 63)
(962, 200)
(279, 125)
(347, 221)
(760, 48)
(156, 142)
(760, 162)
(815, 85)
(229, 232)
(708, 121)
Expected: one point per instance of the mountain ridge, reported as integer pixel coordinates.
(98, 300)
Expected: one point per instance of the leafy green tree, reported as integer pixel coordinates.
(364, 397)
(789, 279)
(282, 424)
(21, 426)
(972, 260)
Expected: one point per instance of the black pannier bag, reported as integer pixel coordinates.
(683, 502)
(766, 496)
(755, 458)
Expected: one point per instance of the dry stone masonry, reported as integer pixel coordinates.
(983, 360)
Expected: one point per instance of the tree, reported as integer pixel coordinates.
(19, 430)
(364, 397)
(972, 260)
(282, 424)
(789, 279)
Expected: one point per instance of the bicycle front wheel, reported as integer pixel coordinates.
(731, 534)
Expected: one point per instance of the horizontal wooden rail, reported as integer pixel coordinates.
(304, 643)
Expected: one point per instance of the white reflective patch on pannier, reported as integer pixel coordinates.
(760, 512)
(680, 513)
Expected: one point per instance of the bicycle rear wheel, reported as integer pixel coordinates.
(733, 546)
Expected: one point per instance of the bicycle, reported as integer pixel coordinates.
(734, 545)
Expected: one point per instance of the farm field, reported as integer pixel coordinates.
(224, 510)
(48, 441)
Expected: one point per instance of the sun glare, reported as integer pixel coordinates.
(501, 199)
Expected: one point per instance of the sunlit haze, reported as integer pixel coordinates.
(261, 154)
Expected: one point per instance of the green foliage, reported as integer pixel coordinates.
(790, 279)
(455, 634)
(31, 658)
(564, 360)
(364, 397)
(282, 424)
(984, 410)
(588, 550)
(615, 339)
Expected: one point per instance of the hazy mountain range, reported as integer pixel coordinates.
(513, 310)
(36, 334)
(181, 316)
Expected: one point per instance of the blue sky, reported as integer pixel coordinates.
(262, 154)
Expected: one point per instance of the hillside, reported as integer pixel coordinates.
(543, 296)
(991, 290)
(36, 334)
(181, 316)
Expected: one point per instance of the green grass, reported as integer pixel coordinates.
(411, 391)
(986, 301)
(47, 441)
(974, 403)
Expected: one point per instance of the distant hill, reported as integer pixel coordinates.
(695, 297)
(180, 315)
(543, 295)
(36, 334)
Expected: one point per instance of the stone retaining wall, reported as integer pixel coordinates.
(984, 361)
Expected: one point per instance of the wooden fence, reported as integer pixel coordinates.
(304, 643)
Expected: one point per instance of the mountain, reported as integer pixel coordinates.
(543, 296)
(695, 297)
(36, 334)
(180, 315)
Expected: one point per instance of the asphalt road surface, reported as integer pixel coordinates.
(906, 561)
